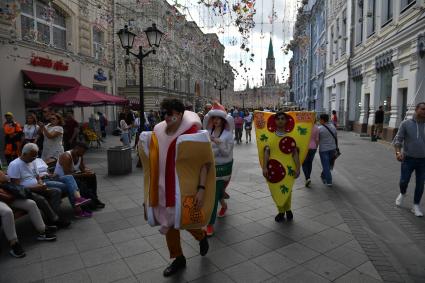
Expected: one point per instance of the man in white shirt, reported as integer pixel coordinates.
(23, 171)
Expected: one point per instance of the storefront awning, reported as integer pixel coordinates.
(42, 80)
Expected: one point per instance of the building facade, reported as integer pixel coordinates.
(388, 64)
(309, 55)
(185, 66)
(338, 40)
(374, 56)
(49, 46)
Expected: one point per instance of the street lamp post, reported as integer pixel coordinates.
(220, 85)
(243, 99)
(127, 39)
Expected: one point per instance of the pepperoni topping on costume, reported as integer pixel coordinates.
(260, 123)
(290, 123)
(276, 171)
(271, 124)
(287, 145)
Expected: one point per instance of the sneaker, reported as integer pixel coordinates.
(17, 251)
(99, 204)
(62, 223)
(329, 185)
(178, 264)
(222, 211)
(279, 217)
(81, 201)
(83, 214)
(46, 236)
(51, 228)
(210, 230)
(417, 211)
(323, 179)
(203, 246)
(308, 183)
(399, 200)
(226, 195)
(289, 215)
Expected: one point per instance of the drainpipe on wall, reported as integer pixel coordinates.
(348, 124)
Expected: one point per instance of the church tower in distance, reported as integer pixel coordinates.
(270, 66)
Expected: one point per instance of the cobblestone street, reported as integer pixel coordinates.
(351, 232)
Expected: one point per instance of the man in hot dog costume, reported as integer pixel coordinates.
(282, 141)
(179, 184)
(220, 126)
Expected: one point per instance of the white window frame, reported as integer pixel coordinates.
(50, 24)
(97, 46)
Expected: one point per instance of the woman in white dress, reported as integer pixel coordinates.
(53, 135)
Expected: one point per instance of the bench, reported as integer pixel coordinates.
(7, 197)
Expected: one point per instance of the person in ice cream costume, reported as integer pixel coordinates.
(282, 141)
(179, 183)
(220, 126)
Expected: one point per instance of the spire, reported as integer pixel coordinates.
(270, 55)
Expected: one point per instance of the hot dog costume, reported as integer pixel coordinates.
(172, 167)
(281, 166)
(223, 152)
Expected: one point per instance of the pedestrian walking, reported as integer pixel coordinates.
(409, 144)
(312, 148)
(173, 152)
(238, 128)
(334, 119)
(103, 124)
(327, 148)
(220, 126)
(124, 127)
(273, 149)
(248, 125)
(12, 137)
(379, 122)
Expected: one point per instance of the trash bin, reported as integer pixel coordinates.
(119, 160)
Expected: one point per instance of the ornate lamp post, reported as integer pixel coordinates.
(243, 95)
(127, 39)
(220, 85)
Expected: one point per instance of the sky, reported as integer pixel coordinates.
(280, 31)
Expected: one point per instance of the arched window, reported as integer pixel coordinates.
(43, 23)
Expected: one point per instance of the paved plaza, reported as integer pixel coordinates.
(351, 232)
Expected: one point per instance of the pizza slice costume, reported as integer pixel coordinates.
(223, 152)
(281, 166)
(171, 167)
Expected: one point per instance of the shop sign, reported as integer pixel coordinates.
(100, 75)
(39, 61)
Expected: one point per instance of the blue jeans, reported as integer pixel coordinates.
(325, 158)
(308, 163)
(66, 184)
(408, 165)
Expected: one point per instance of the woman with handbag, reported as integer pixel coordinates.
(31, 129)
(327, 148)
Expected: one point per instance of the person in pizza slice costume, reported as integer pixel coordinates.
(220, 126)
(282, 141)
(178, 181)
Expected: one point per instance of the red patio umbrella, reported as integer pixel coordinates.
(83, 96)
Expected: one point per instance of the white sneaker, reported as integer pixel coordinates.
(399, 200)
(417, 211)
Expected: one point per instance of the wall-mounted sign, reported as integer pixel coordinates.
(49, 63)
(100, 75)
